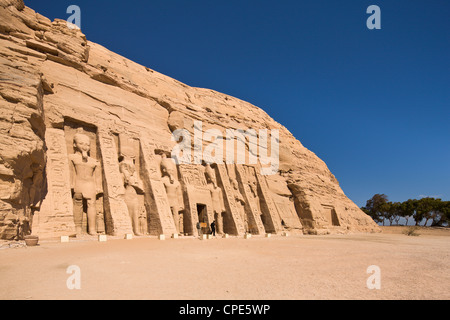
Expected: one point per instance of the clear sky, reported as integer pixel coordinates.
(373, 104)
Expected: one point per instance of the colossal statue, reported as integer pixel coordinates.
(85, 184)
(240, 203)
(133, 186)
(173, 191)
(216, 197)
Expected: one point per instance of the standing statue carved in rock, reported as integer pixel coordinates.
(133, 186)
(240, 203)
(216, 197)
(173, 191)
(85, 173)
(33, 181)
(143, 226)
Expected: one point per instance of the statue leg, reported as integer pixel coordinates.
(92, 217)
(181, 222)
(143, 225)
(175, 219)
(135, 220)
(78, 212)
(131, 201)
(246, 223)
(220, 224)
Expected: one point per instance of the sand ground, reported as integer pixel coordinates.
(288, 268)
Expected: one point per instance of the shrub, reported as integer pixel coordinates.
(412, 231)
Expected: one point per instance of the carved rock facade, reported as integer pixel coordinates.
(53, 82)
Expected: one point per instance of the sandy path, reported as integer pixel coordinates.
(297, 267)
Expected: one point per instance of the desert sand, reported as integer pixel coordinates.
(277, 268)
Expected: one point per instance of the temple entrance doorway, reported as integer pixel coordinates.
(203, 218)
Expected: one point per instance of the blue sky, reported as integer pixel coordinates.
(373, 104)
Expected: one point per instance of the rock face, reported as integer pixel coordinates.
(56, 87)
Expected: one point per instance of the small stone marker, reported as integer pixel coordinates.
(128, 236)
(247, 236)
(284, 234)
(65, 239)
(162, 237)
(226, 236)
(175, 236)
(268, 235)
(102, 238)
(209, 236)
(203, 237)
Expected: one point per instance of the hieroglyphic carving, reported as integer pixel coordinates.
(161, 220)
(193, 175)
(111, 166)
(193, 214)
(163, 207)
(254, 215)
(230, 201)
(58, 173)
(197, 193)
(117, 218)
(203, 197)
(149, 158)
(55, 216)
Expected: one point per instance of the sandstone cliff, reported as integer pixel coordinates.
(53, 80)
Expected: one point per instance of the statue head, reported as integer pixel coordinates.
(82, 143)
(168, 168)
(36, 167)
(210, 175)
(127, 153)
(127, 167)
(170, 172)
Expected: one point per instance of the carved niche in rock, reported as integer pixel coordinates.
(173, 190)
(218, 205)
(134, 187)
(86, 183)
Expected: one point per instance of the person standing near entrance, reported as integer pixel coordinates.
(213, 228)
(199, 229)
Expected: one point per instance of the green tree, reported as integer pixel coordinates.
(436, 210)
(393, 211)
(446, 212)
(440, 213)
(425, 209)
(408, 209)
(376, 207)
